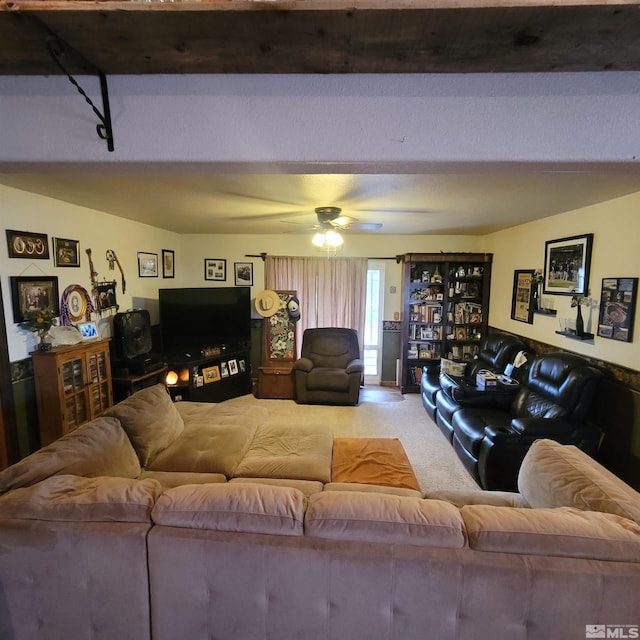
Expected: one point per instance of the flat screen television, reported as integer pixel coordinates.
(194, 318)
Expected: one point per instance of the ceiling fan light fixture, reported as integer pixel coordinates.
(333, 239)
(318, 240)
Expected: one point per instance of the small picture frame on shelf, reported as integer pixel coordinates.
(461, 333)
(215, 269)
(566, 265)
(211, 374)
(522, 297)
(243, 274)
(617, 308)
(66, 253)
(147, 264)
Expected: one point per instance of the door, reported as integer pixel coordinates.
(372, 343)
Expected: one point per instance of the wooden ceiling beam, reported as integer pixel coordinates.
(299, 37)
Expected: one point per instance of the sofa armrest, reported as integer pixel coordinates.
(355, 366)
(542, 427)
(303, 364)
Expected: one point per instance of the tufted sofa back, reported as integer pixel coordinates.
(559, 385)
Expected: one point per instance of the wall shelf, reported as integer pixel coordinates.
(546, 312)
(583, 337)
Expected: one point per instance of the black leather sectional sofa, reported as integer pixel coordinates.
(491, 430)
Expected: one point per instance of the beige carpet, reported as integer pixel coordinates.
(383, 412)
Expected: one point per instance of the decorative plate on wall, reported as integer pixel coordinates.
(76, 304)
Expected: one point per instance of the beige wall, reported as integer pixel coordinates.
(235, 248)
(616, 228)
(95, 230)
(615, 224)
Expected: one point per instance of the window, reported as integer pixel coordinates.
(372, 347)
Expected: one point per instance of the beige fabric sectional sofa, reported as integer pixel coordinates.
(198, 521)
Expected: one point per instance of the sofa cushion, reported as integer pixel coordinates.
(495, 498)
(214, 440)
(171, 479)
(555, 475)
(372, 488)
(301, 453)
(390, 519)
(552, 532)
(150, 419)
(97, 448)
(328, 379)
(308, 487)
(77, 499)
(249, 508)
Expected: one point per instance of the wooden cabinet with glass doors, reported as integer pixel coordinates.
(73, 386)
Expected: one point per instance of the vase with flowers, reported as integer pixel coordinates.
(577, 302)
(39, 321)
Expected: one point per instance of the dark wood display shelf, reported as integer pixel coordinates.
(546, 312)
(573, 336)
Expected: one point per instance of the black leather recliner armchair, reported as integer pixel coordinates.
(497, 350)
(553, 402)
(330, 369)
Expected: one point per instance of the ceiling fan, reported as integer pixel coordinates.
(331, 218)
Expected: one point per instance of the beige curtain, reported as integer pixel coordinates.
(332, 291)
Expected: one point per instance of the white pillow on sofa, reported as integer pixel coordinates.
(151, 421)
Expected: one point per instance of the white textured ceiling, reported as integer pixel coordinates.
(468, 201)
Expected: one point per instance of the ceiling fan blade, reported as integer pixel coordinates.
(365, 226)
(249, 196)
(398, 211)
(268, 216)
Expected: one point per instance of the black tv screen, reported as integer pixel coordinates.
(194, 318)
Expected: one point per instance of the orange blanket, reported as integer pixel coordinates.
(380, 461)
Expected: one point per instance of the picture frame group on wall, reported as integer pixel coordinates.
(147, 264)
(617, 308)
(522, 296)
(215, 269)
(243, 274)
(25, 244)
(566, 265)
(66, 253)
(34, 293)
(168, 264)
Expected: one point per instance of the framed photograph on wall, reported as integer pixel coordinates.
(617, 308)
(215, 269)
(147, 264)
(24, 244)
(106, 295)
(522, 296)
(168, 264)
(33, 293)
(243, 274)
(566, 265)
(66, 253)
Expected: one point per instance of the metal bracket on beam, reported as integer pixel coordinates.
(57, 50)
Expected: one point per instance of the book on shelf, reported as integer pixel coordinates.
(414, 375)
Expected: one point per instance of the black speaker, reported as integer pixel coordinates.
(132, 334)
